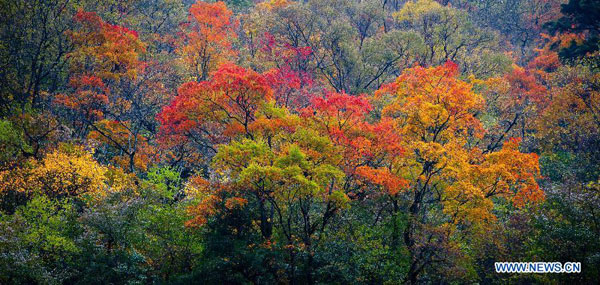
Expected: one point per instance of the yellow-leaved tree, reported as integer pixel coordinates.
(69, 171)
(453, 182)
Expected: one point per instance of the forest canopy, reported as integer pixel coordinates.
(298, 142)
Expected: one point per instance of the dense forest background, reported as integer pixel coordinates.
(298, 142)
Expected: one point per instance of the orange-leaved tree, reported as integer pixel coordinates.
(452, 183)
(206, 38)
(113, 96)
(368, 148)
(514, 100)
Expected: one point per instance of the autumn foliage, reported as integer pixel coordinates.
(298, 142)
(206, 40)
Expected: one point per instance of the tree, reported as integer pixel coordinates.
(280, 174)
(39, 242)
(450, 35)
(290, 188)
(211, 112)
(579, 17)
(569, 125)
(33, 51)
(288, 72)
(519, 22)
(114, 94)
(451, 182)
(368, 148)
(207, 38)
(514, 101)
(350, 50)
(69, 171)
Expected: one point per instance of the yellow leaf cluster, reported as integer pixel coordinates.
(416, 9)
(68, 171)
